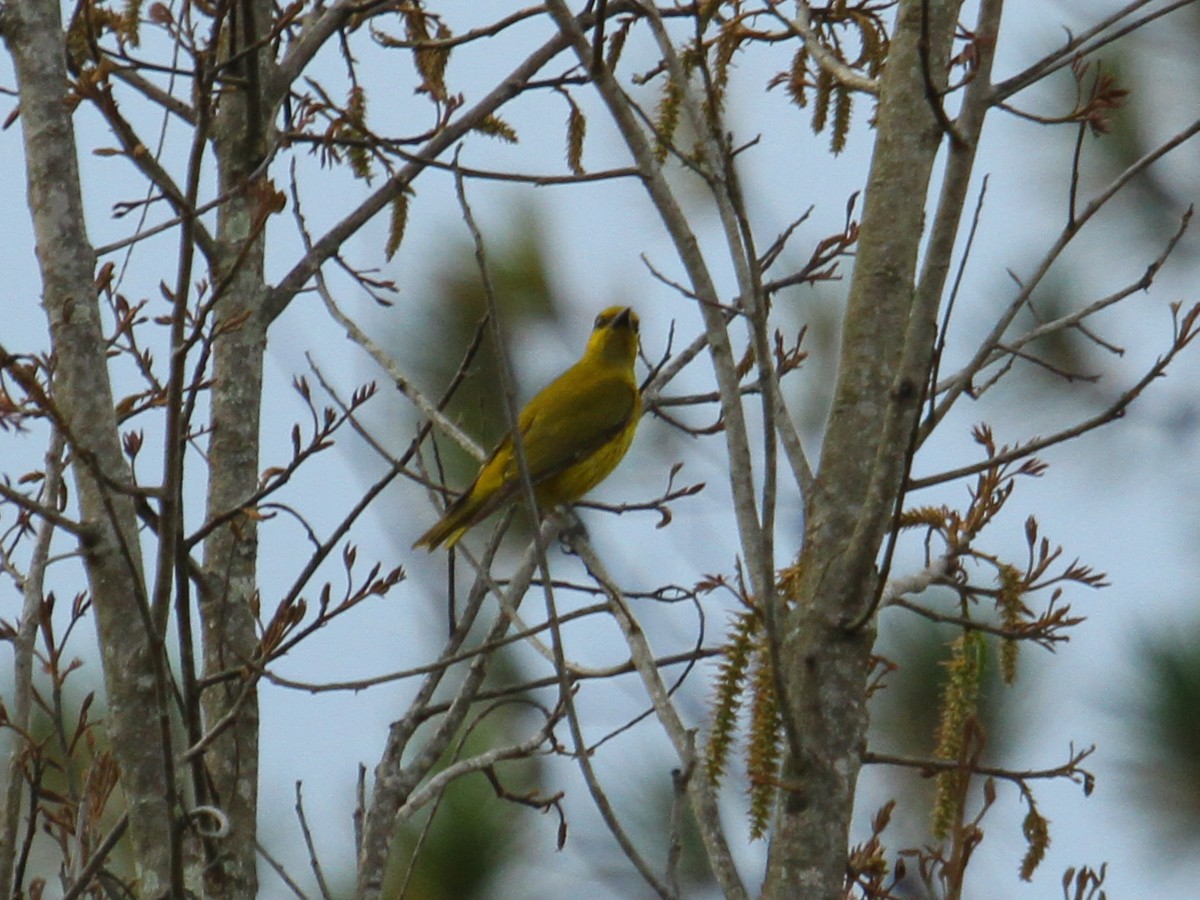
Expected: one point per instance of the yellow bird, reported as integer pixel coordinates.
(573, 433)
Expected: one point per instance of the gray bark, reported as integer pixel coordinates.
(886, 351)
(132, 659)
(241, 133)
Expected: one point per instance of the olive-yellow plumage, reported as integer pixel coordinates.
(573, 433)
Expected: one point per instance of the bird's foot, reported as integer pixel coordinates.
(572, 530)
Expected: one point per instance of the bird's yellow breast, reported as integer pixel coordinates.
(577, 479)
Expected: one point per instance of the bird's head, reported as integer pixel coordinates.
(615, 336)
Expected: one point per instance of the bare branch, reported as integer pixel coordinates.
(802, 27)
(1086, 42)
(19, 715)
(330, 243)
(313, 861)
(1070, 769)
(433, 788)
(954, 386)
(395, 778)
(700, 793)
(1114, 411)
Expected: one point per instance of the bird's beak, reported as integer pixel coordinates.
(622, 319)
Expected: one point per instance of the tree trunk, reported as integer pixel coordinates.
(878, 396)
(131, 653)
(240, 137)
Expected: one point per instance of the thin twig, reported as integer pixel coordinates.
(23, 640)
(329, 244)
(1021, 451)
(435, 786)
(279, 870)
(953, 387)
(943, 331)
(801, 26)
(700, 792)
(313, 861)
(395, 776)
(1070, 769)
(1086, 42)
(98, 859)
(42, 511)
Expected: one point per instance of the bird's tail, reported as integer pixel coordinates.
(472, 507)
(448, 529)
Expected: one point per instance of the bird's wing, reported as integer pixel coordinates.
(573, 418)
